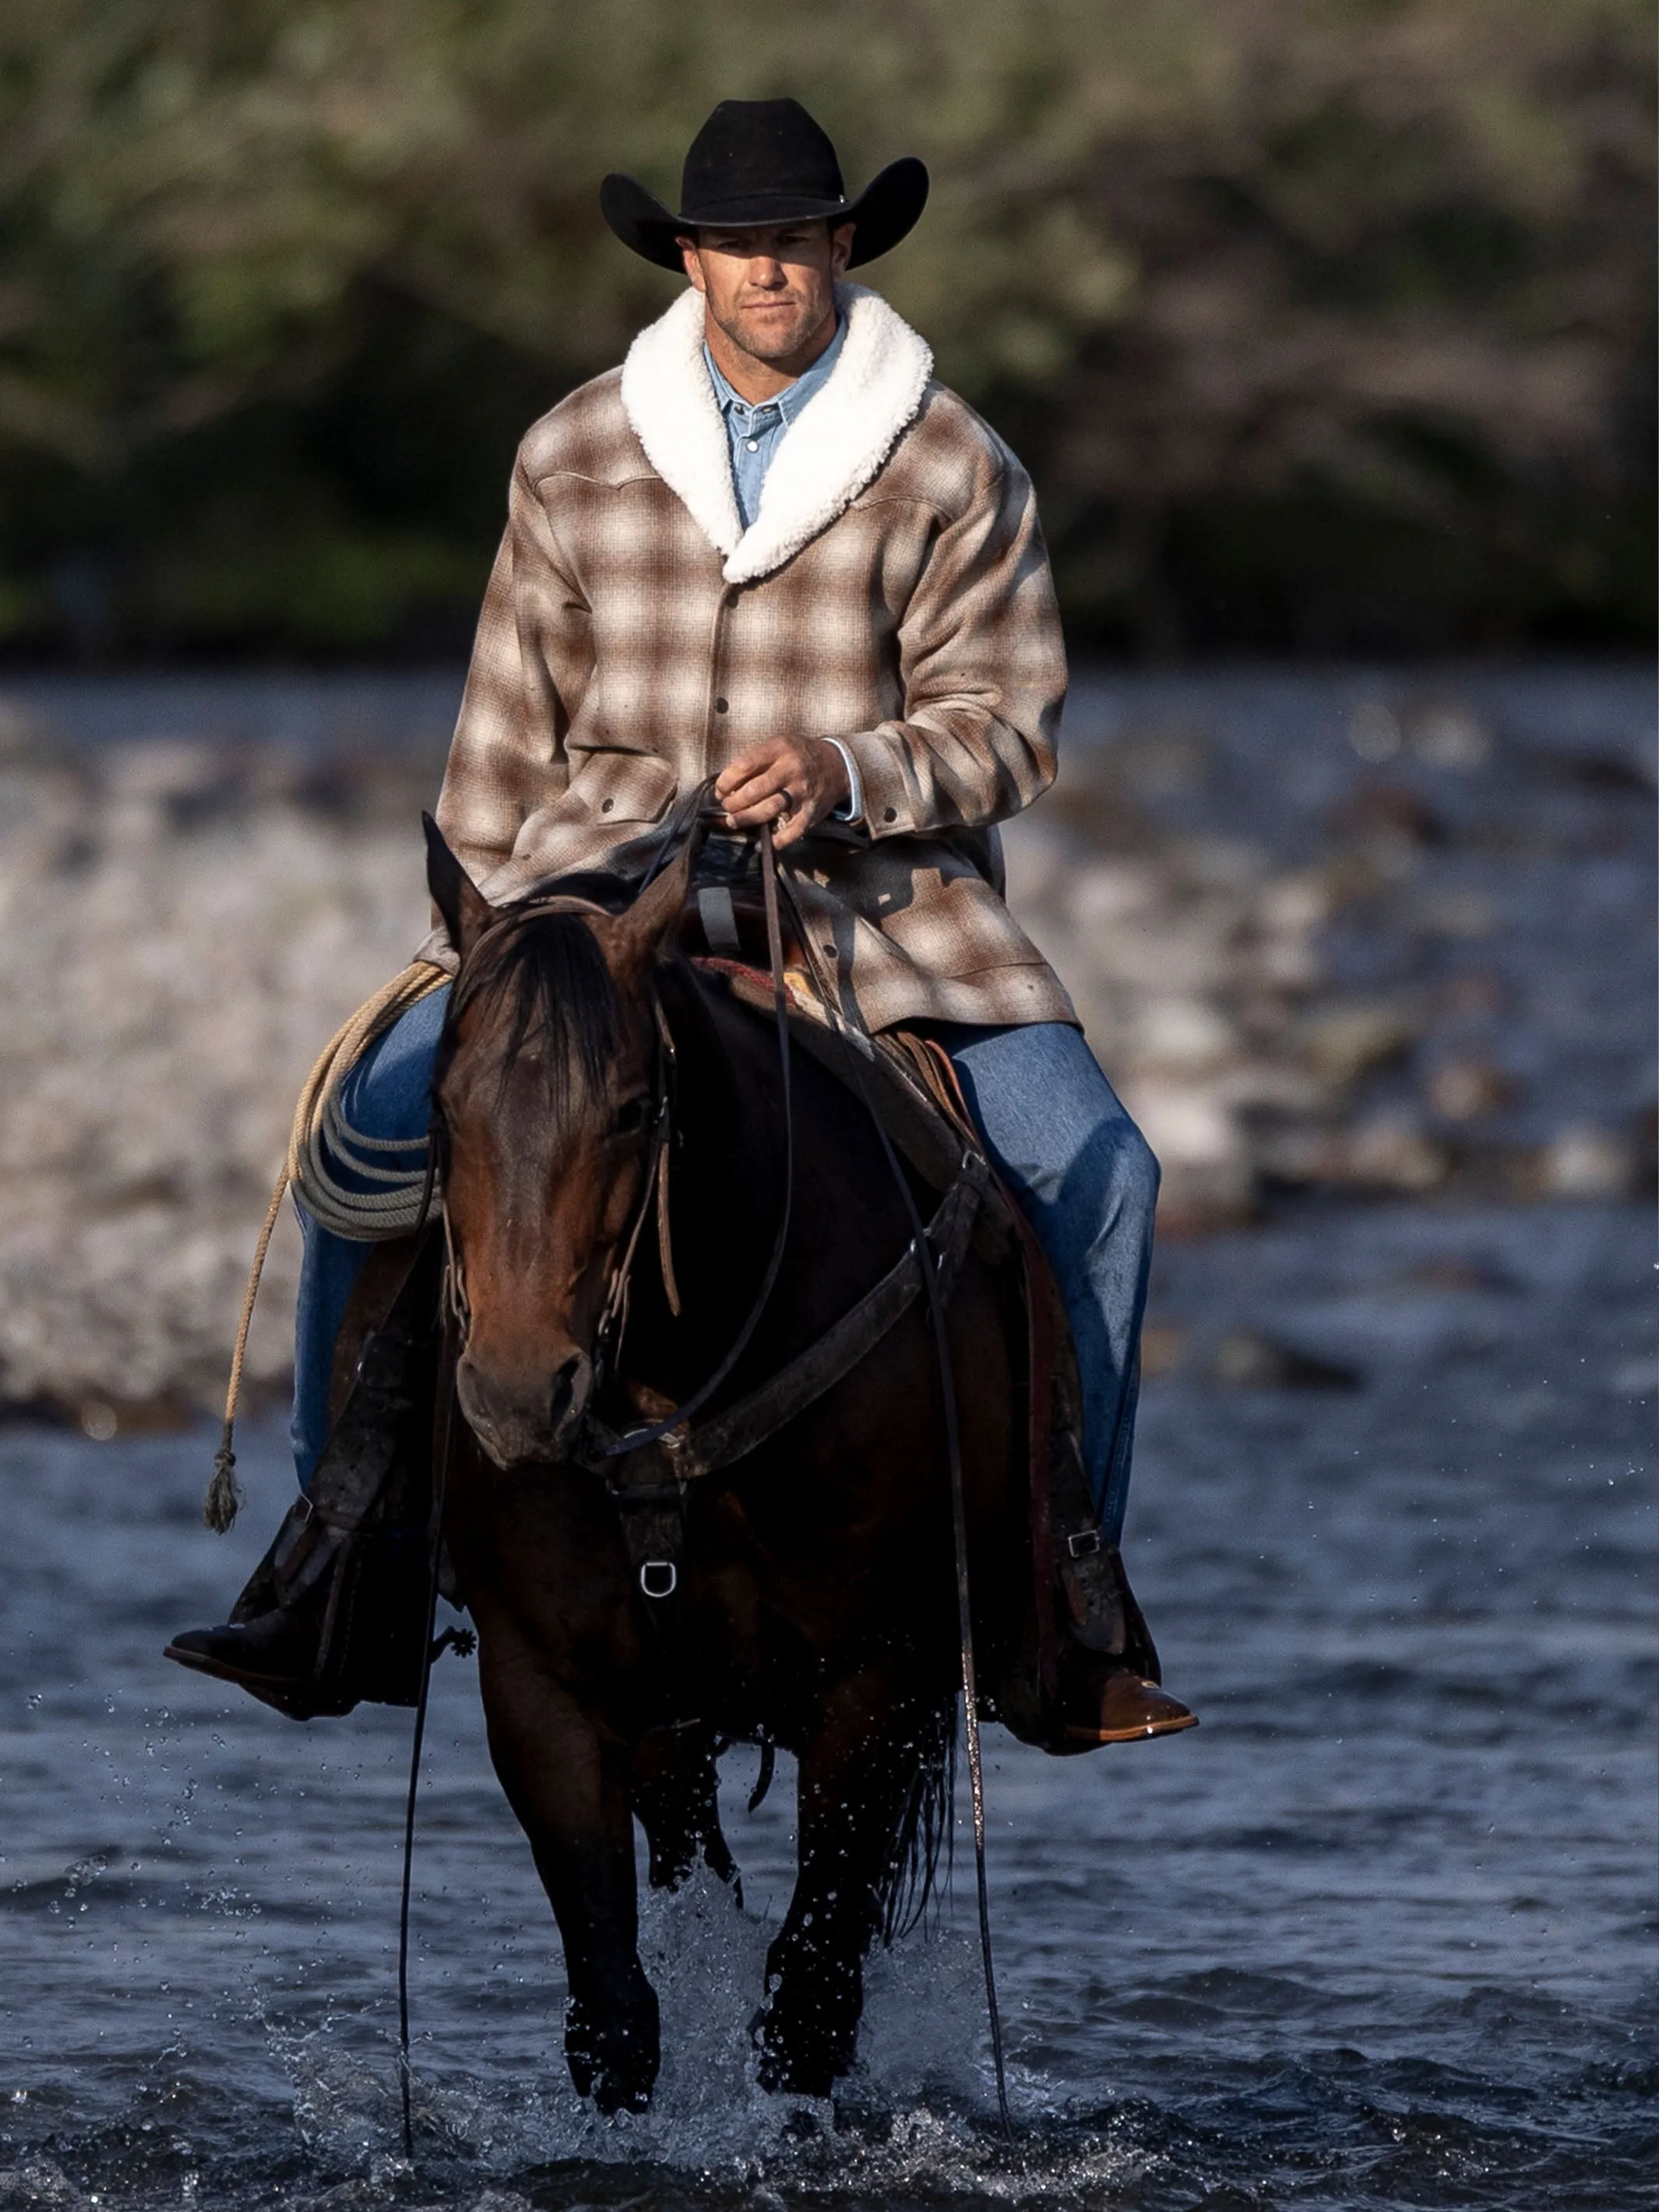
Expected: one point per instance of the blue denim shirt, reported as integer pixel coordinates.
(753, 433)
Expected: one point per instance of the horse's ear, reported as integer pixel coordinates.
(464, 907)
(645, 933)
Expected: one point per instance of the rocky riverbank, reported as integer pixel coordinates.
(1384, 941)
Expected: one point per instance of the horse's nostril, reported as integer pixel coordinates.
(526, 1416)
(566, 1382)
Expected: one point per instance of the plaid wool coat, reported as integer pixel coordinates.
(892, 591)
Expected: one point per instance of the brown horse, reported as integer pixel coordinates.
(814, 1606)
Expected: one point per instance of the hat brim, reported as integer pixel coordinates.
(886, 210)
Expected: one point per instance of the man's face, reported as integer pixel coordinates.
(771, 291)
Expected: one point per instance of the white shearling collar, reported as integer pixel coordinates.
(823, 462)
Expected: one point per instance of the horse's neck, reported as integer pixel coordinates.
(726, 1163)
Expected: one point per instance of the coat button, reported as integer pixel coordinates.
(889, 814)
(719, 706)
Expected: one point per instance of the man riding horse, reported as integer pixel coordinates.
(772, 548)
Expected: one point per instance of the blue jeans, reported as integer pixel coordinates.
(1076, 1162)
(388, 1094)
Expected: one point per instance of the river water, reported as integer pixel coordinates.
(1380, 1933)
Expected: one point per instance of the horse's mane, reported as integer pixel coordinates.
(550, 973)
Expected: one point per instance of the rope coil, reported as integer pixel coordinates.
(321, 1137)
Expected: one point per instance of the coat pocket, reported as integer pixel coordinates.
(617, 787)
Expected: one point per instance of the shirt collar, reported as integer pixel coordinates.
(793, 397)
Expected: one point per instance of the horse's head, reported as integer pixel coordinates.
(546, 1091)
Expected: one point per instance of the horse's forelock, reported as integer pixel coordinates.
(547, 982)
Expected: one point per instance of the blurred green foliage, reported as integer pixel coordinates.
(1324, 325)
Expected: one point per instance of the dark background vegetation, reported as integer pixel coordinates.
(1325, 325)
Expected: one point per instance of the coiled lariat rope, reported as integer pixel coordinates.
(321, 1140)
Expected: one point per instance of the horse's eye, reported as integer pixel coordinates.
(631, 1118)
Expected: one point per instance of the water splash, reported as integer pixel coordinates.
(917, 2111)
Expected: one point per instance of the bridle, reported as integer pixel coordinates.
(597, 1446)
(653, 1192)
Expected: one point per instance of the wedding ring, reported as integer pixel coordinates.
(788, 799)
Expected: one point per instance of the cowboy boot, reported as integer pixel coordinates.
(1108, 1688)
(337, 1609)
(273, 1644)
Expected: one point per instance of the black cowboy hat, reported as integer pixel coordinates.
(757, 162)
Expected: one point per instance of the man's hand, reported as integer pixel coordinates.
(791, 784)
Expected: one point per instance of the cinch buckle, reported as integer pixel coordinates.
(1085, 1545)
(659, 1578)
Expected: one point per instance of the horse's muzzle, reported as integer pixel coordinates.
(524, 1419)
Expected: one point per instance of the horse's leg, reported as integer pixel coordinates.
(568, 1783)
(854, 1777)
(677, 1797)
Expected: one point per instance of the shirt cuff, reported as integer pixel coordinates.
(852, 807)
